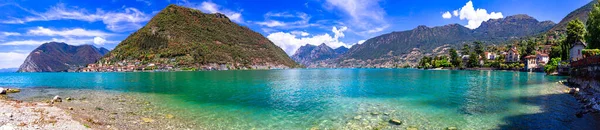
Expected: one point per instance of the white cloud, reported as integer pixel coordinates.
(70, 41)
(447, 15)
(295, 20)
(11, 59)
(455, 12)
(271, 23)
(77, 32)
(99, 40)
(364, 15)
(125, 20)
(300, 33)
(10, 34)
(475, 17)
(211, 7)
(290, 42)
(361, 41)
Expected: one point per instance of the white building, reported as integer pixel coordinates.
(575, 51)
(513, 55)
(542, 58)
(490, 55)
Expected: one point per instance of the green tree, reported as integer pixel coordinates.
(575, 31)
(456, 60)
(531, 47)
(473, 60)
(466, 50)
(593, 26)
(479, 48)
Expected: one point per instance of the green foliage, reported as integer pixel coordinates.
(590, 52)
(194, 38)
(552, 65)
(466, 49)
(435, 62)
(575, 31)
(473, 60)
(593, 26)
(456, 60)
(531, 47)
(479, 48)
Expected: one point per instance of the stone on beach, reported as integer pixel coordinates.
(2, 91)
(56, 99)
(12, 90)
(396, 121)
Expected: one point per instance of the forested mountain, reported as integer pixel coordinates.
(185, 37)
(401, 47)
(581, 14)
(60, 57)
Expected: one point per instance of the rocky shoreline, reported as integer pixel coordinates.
(15, 114)
(85, 109)
(587, 92)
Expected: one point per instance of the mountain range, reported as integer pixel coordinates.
(185, 37)
(310, 55)
(60, 57)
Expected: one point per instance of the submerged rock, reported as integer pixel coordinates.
(412, 128)
(147, 120)
(395, 121)
(451, 128)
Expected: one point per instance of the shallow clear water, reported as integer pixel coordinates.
(341, 98)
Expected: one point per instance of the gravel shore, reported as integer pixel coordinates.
(33, 115)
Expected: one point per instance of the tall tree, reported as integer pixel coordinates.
(593, 26)
(456, 60)
(575, 31)
(473, 61)
(479, 48)
(466, 50)
(531, 47)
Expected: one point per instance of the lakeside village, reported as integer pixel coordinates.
(555, 54)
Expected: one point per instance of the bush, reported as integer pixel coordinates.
(590, 52)
(552, 65)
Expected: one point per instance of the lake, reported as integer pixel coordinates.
(340, 98)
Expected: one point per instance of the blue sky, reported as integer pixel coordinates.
(25, 24)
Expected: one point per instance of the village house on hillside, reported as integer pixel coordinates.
(490, 55)
(512, 55)
(575, 51)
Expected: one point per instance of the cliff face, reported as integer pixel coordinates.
(60, 57)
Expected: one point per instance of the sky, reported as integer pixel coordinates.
(26, 24)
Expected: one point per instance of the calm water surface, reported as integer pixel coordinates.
(341, 98)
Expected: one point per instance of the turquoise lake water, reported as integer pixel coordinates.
(341, 98)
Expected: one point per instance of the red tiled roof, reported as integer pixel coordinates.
(530, 57)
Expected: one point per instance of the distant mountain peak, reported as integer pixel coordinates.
(60, 57)
(309, 55)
